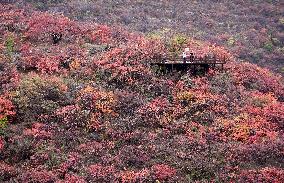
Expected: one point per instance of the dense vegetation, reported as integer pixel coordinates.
(89, 108)
(252, 30)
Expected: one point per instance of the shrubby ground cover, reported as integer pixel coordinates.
(91, 108)
(252, 30)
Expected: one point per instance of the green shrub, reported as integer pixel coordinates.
(276, 41)
(44, 4)
(3, 124)
(268, 46)
(10, 44)
(231, 41)
(180, 40)
(154, 35)
(200, 174)
(160, 34)
(259, 102)
(176, 44)
(281, 20)
(37, 96)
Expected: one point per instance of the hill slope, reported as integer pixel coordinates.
(252, 30)
(91, 109)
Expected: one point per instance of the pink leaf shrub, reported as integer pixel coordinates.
(267, 174)
(72, 178)
(163, 172)
(1, 143)
(6, 171)
(6, 108)
(256, 78)
(99, 172)
(38, 176)
(132, 176)
(41, 25)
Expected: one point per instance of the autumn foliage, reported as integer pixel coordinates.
(92, 109)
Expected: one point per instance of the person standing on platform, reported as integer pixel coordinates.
(184, 54)
(191, 57)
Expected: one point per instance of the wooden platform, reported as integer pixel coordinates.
(196, 64)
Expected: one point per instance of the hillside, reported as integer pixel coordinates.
(90, 108)
(251, 30)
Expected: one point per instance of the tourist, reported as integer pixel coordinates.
(191, 57)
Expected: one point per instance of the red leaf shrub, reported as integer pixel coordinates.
(163, 172)
(96, 111)
(132, 176)
(100, 104)
(51, 60)
(156, 112)
(267, 107)
(127, 64)
(1, 144)
(204, 49)
(68, 166)
(96, 149)
(43, 176)
(101, 173)
(269, 154)
(6, 107)
(72, 178)
(11, 18)
(6, 171)
(41, 25)
(131, 156)
(253, 77)
(38, 131)
(71, 116)
(48, 65)
(9, 76)
(101, 35)
(267, 174)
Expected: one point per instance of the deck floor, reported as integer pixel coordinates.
(195, 65)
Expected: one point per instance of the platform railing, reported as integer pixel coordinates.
(192, 60)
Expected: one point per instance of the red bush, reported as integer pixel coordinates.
(127, 64)
(6, 108)
(41, 25)
(11, 18)
(101, 35)
(256, 78)
(102, 173)
(1, 143)
(267, 174)
(6, 171)
(43, 176)
(48, 65)
(95, 111)
(72, 178)
(133, 177)
(9, 75)
(156, 112)
(163, 172)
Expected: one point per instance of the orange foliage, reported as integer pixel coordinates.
(6, 108)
